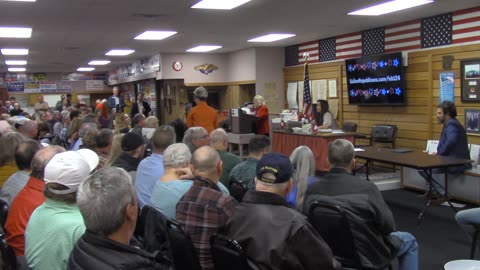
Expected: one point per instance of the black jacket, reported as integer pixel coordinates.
(100, 253)
(372, 221)
(146, 109)
(276, 236)
(126, 162)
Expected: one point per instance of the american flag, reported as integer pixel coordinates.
(311, 48)
(466, 25)
(307, 100)
(291, 56)
(402, 37)
(436, 31)
(373, 41)
(349, 46)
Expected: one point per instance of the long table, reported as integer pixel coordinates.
(285, 142)
(416, 160)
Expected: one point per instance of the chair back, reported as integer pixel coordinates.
(384, 134)
(8, 257)
(3, 212)
(331, 223)
(229, 255)
(237, 189)
(349, 127)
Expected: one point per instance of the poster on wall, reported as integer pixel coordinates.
(15, 87)
(447, 86)
(32, 87)
(64, 87)
(94, 85)
(470, 72)
(48, 87)
(472, 121)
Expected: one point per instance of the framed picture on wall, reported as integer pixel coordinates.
(472, 123)
(470, 78)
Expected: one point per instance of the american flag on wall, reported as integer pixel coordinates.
(402, 37)
(437, 31)
(311, 48)
(349, 46)
(466, 25)
(373, 41)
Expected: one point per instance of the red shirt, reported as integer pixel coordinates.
(27, 200)
(263, 126)
(204, 116)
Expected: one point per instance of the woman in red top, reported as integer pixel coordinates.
(261, 112)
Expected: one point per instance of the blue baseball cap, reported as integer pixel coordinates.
(276, 164)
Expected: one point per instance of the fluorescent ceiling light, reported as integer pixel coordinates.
(204, 48)
(219, 4)
(119, 52)
(15, 62)
(7, 51)
(17, 69)
(155, 35)
(98, 62)
(389, 7)
(19, 0)
(85, 69)
(271, 37)
(15, 32)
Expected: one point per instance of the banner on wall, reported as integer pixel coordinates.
(48, 87)
(15, 87)
(84, 76)
(447, 86)
(94, 85)
(64, 87)
(40, 77)
(136, 70)
(32, 87)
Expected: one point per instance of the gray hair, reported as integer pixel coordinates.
(303, 162)
(340, 153)
(201, 93)
(151, 122)
(8, 145)
(193, 133)
(163, 137)
(258, 100)
(218, 136)
(103, 199)
(177, 155)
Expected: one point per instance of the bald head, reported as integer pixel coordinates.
(5, 127)
(41, 159)
(30, 129)
(206, 163)
(219, 139)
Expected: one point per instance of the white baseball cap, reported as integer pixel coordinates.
(70, 169)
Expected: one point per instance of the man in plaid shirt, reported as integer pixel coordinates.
(204, 208)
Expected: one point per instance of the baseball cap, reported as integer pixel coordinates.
(131, 141)
(276, 164)
(70, 169)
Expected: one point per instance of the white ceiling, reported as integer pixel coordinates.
(69, 33)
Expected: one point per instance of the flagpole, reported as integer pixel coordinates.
(305, 56)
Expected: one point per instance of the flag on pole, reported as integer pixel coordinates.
(307, 100)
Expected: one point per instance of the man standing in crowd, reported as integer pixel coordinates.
(381, 243)
(204, 208)
(219, 141)
(245, 172)
(195, 137)
(109, 208)
(116, 103)
(56, 225)
(28, 199)
(41, 105)
(271, 233)
(23, 159)
(151, 168)
(132, 153)
(202, 115)
(141, 106)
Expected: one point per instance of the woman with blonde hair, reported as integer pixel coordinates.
(261, 112)
(116, 149)
(122, 122)
(303, 162)
(8, 145)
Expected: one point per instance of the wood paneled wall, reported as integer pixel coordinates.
(417, 120)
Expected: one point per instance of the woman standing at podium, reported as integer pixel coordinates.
(261, 112)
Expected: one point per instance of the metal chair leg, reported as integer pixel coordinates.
(474, 243)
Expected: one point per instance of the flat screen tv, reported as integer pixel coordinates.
(376, 80)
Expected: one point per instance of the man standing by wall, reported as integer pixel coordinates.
(202, 115)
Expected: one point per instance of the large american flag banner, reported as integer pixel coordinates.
(307, 99)
(451, 28)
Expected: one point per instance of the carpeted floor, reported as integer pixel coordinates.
(440, 239)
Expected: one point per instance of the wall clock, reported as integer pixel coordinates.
(177, 65)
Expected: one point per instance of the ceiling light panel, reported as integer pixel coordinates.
(99, 62)
(12, 69)
(204, 48)
(11, 51)
(15, 62)
(18, 0)
(85, 69)
(15, 32)
(119, 52)
(155, 35)
(271, 37)
(389, 7)
(219, 4)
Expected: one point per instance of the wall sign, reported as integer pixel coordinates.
(94, 85)
(470, 70)
(206, 68)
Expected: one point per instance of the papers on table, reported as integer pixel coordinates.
(292, 95)
(358, 150)
(432, 147)
(325, 130)
(337, 131)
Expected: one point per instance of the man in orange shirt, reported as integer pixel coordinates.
(28, 199)
(202, 115)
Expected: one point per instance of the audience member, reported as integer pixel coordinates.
(28, 199)
(151, 168)
(116, 149)
(44, 133)
(40, 105)
(29, 128)
(41, 117)
(303, 163)
(132, 152)
(271, 233)
(63, 123)
(116, 103)
(103, 143)
(195, 137)
(141, 106)
(85, 129)
(202, 115)
(138, 123)
(16, 109)
(23, 159)
(151, 123)
(8, 145)
(122, 123)
(219, 141)
(245, 172)
(204, 208)
(56, 225)
(5, 127)
(323, 117)
(364, 199)
(109, 208)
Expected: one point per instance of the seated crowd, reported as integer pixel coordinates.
(76, 197)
